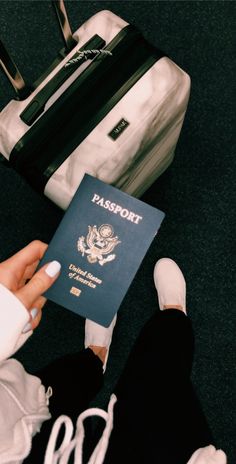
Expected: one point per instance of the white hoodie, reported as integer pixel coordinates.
(24, 404)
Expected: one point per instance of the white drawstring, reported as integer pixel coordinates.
(62, 455)
(85, 54)
(99, 452)
(52, 456)
(48, 395)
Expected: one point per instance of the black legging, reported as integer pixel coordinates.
(157, 418)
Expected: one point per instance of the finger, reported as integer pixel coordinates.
(38, 304)
(29, 272)
(34, 251)
(40, 282)
(34, 321)
(36, 317)
(35, 314)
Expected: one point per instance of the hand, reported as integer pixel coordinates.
(18, 275)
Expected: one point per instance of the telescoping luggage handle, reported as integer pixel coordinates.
(22, 89)
(12, 72)
(60, 8)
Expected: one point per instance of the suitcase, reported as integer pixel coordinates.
(111, 105)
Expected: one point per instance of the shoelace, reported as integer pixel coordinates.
(70, 444)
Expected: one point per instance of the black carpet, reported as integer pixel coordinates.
(197, 193)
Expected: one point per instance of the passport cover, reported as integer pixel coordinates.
(100, 243)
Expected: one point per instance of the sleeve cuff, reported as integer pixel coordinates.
(13, 317)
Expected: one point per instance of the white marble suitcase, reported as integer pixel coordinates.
(125, 134)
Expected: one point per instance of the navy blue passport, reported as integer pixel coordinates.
(100, 243)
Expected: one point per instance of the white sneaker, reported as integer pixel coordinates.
(96, 334)
(170, 284)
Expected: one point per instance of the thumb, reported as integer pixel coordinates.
(40, 282)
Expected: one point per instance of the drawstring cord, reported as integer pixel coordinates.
(99, 452)
(48, 395)
(69, 444)
(52, 456)
(84, 53)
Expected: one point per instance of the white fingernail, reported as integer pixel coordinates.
(27, 328)
(34, 312)
(53, 268)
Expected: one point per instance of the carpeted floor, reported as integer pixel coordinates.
(197, 193)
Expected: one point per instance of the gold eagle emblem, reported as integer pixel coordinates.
(100, 241)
